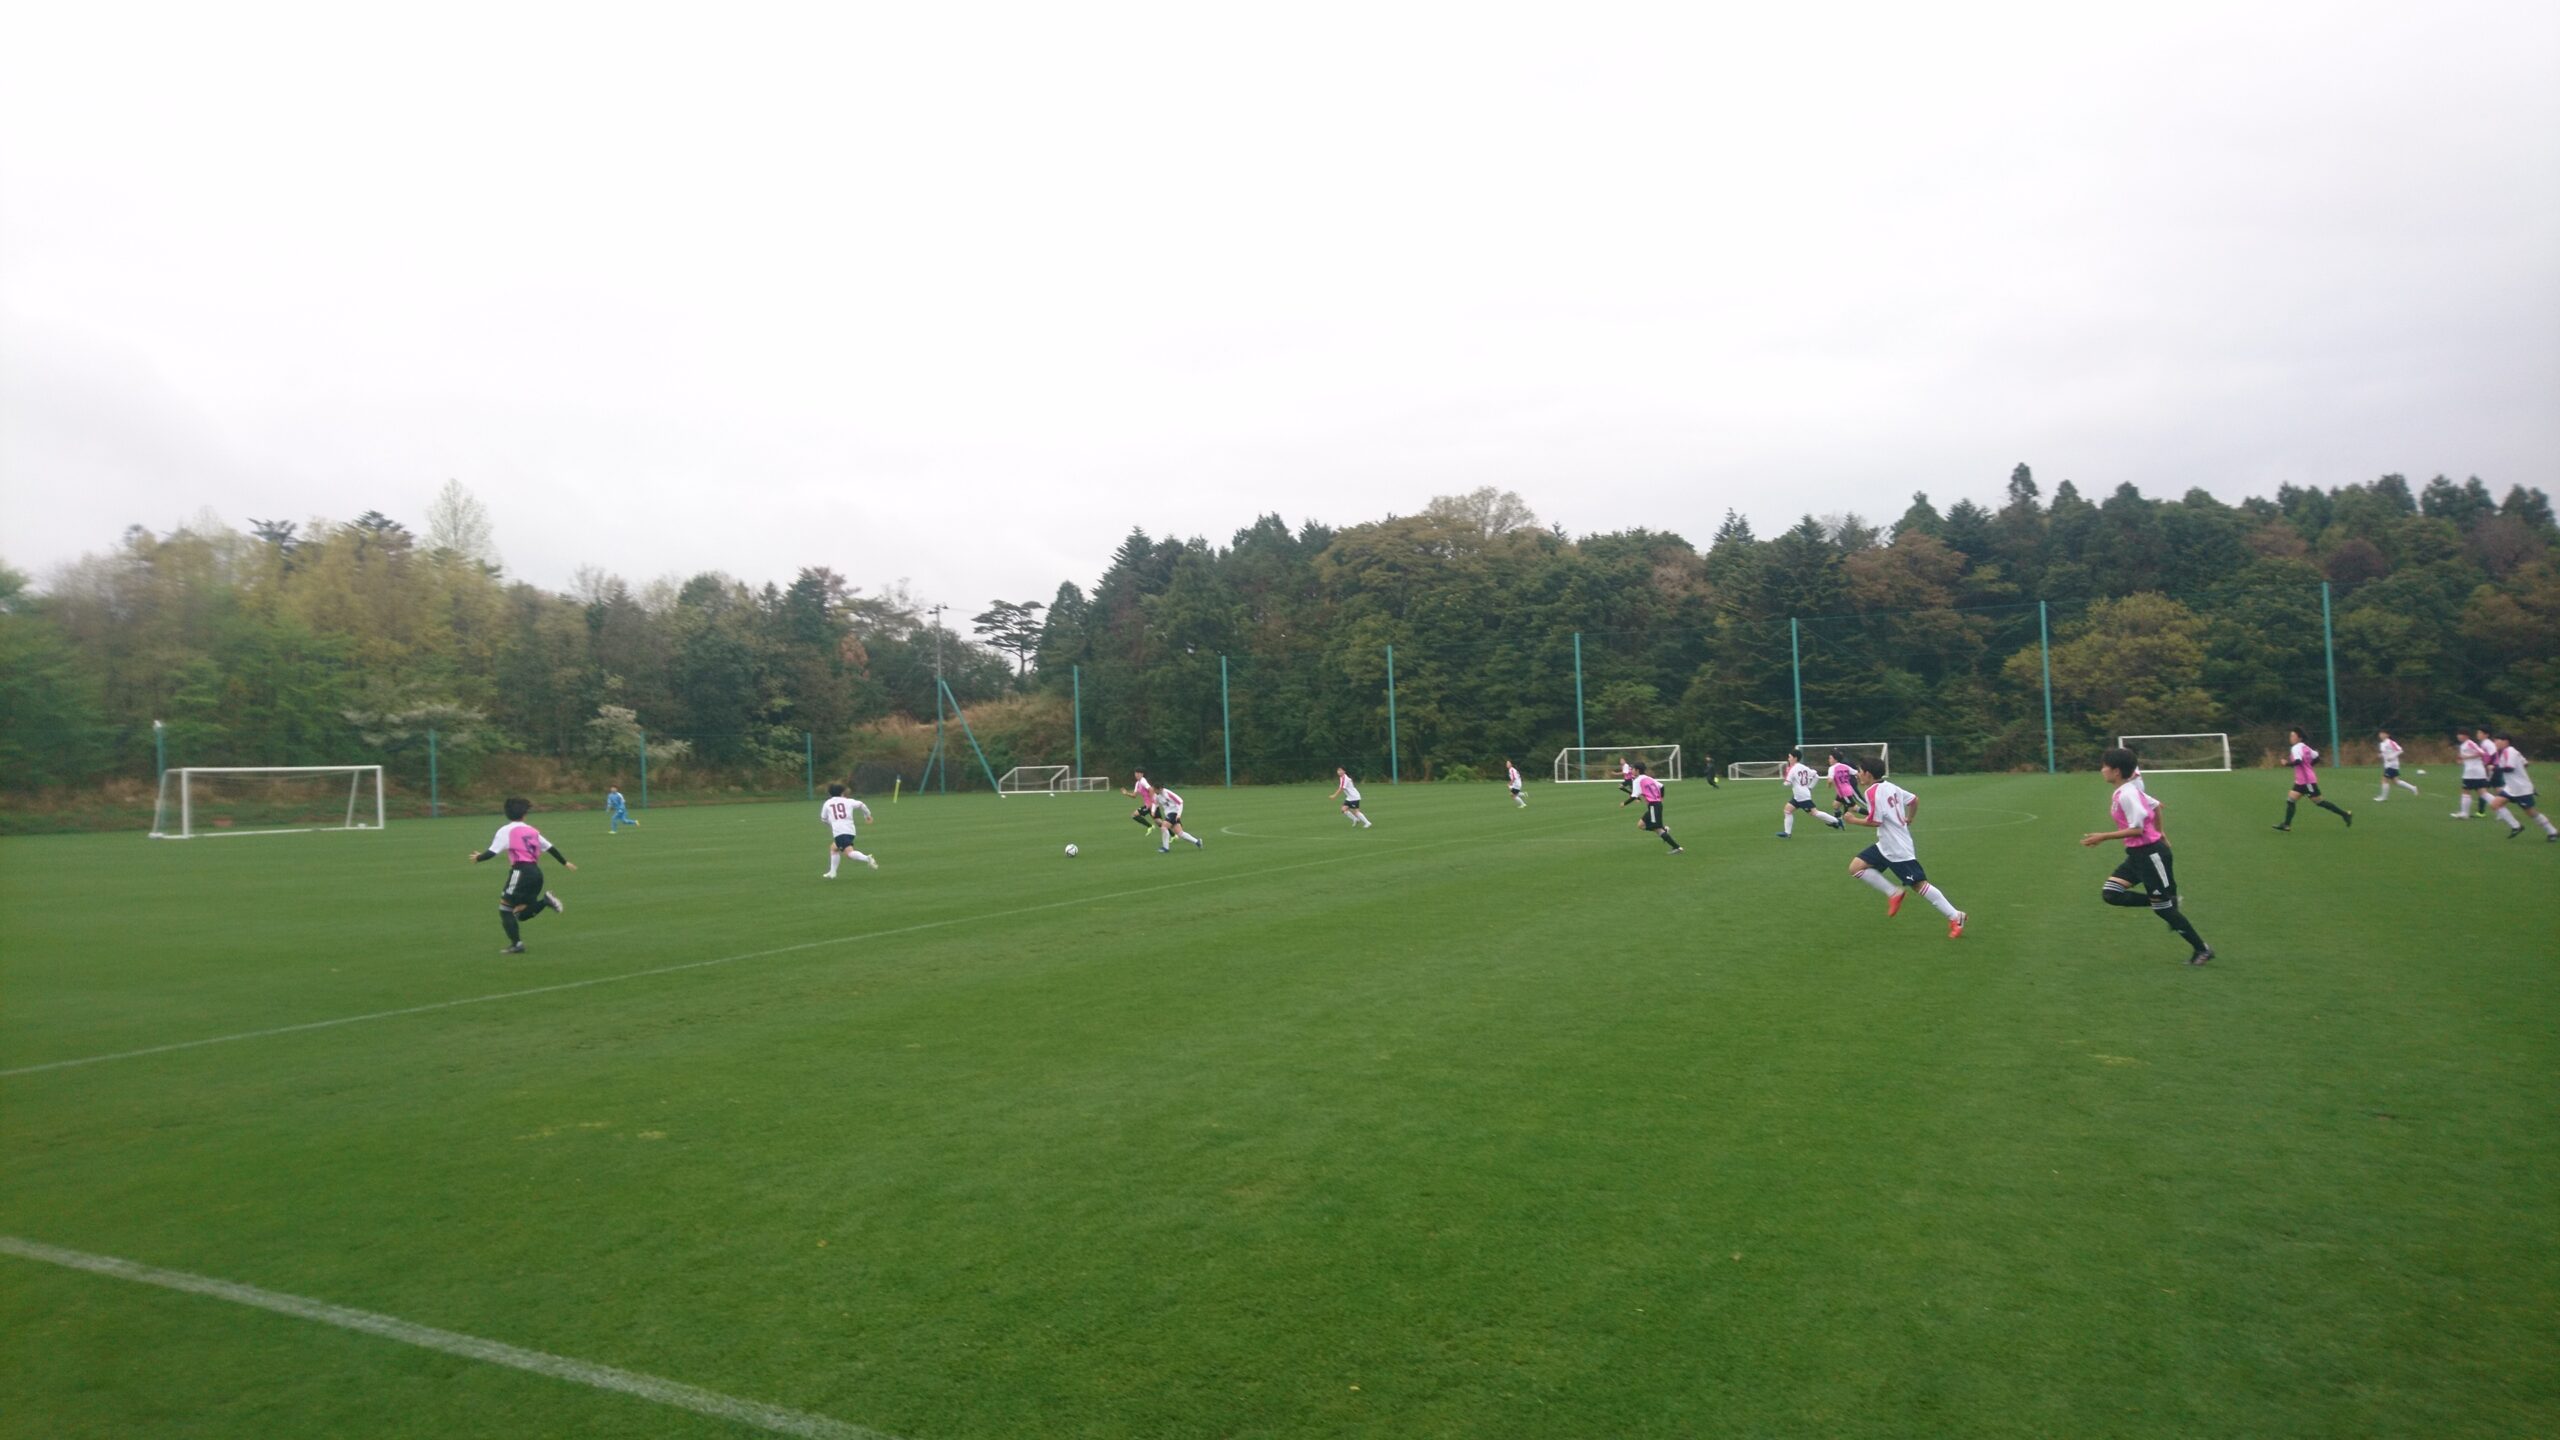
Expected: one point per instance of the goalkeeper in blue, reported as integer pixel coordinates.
(616, 813)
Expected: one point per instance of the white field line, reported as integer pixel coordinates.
(470, 1347)
(1367, 849)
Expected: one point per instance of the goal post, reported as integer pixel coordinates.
(1598, 764)
(1756, 770)
(1033, 780)
(205, 800)
(2180, 754)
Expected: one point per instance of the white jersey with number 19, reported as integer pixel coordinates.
(1890, 804)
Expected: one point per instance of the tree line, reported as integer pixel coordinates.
(314, 642)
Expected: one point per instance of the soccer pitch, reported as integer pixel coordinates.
(1482, 1122)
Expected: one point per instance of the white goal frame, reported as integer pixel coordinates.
(183, 779)
(1597, 764)
(1077, 784)
(1033, 779)
(2219, 737)
(1756, 770)
(1817, 753)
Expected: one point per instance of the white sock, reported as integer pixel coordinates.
(2547, 827)
(2509, 815)
(857, 855)
(1787, 823)
(1875, 878)
(831, 866)
(1195, 841)
(2465, 811)
(1834, 822)
(2405, 785)
(2385, 795)
(1938, 897)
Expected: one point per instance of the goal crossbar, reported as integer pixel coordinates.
(174, 816)
(1598, 764)
(1034, 780)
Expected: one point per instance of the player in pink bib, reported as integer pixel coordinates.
(1649, 790)
(523, 899)
(2306, 782)
(2147, 862)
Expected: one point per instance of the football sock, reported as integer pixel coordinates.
(833, 859)
(2547, 827)
(2176, 920)
(1787, 822)
(507, 917)
(2509, 815)
(1938, 897)
(2405, 785)
(2332, 809)
(1667, 840)
(2288, 812)
(2116, 892)
(1834, 822)
(2465, 810)
(1874, 880)
(1196, 842)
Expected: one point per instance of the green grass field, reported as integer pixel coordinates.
(1483, 1122)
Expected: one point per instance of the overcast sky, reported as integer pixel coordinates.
(960, 293)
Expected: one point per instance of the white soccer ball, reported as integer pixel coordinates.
(2422, 772)
(1071, 850)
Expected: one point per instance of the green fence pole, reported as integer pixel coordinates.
(1795, 666)
(963, 717)
(1578, 741)
(810, 739)
(644, 765)
(2044, 647)
(1392, 775)
(2329, 651)
(1226, 723)
(1075, 675)
(159, 752)
(433, 809)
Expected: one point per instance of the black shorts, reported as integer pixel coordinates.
(1908, 871)
(1848, 802)
(2390, 772)
(2151, 867)
(2309, 792)
(1804, 805)
(2470, 784)
(1653, 814)
(844, 842)
(1515, 789)
(524, 886)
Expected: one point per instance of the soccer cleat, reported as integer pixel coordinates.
(2511, 834)
(2284, 829)
(515, 949)
(871, 861)
(2201, 956)
(1679, 850)
(1955, 927)
(826, 874)
(1893, 903)
(2351, 818)
(1783, 835)
(555, 902)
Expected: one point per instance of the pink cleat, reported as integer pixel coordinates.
(1955, 927)
(1893, 903)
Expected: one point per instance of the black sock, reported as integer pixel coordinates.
(2288, 812)
(2118, 895)
(2332, 809)
(2176, 920)
(507, 917)
(535, 912)
(1667, 840)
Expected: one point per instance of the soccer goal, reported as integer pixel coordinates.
(1079, 783)
(204, 800)
(1756, 770)
(1598, 764)
(2179, 754)
(1033, 780)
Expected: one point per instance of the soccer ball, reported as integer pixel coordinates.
(1071, 850)
(2422, 772)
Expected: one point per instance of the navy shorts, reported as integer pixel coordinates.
(1350, 804)
(1908, 871)
(2526, 800)
(844, 842)
(2470, 784)
(1804, 805)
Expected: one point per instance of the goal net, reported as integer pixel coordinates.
(1598, 764)
(2179, 754)
(1755, 770)
(1033, 780)
(274, 800)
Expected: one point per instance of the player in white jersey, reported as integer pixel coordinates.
(1649, 790)
(523, 899)
(2515, 791)
(837, 812)
(2147, 862)
(2389, 750)
(1799, 779)
(1513, 772)
(1889, 810)
(2474, 754)
(1349, 795)
(1169, 814)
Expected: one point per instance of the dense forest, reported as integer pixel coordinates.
(1284, 650)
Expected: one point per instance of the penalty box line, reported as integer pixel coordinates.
(1081, 900)
(773, 1418)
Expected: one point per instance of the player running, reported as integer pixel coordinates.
(1145, 795)
(1349, 795)
(2515, 792)
(2306, 782)
(2146, 851)
(1799, 779)
(1889, 810)
(2475, 776)
(2389, 749)
(1844, 790)
(1513, 771)
(1649, 790)
(1626, 779)
(523, 899)
(838, 810)
(616, 812)
(1169, 814)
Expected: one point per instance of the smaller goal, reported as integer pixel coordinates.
(1077, 783)
(207, 800)
(1756, 770)
(1598, 764)
(1032, 780)
(1817, 753)
(2179, 754)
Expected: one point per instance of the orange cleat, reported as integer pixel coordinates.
(1893, 903)
(1955, 927)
